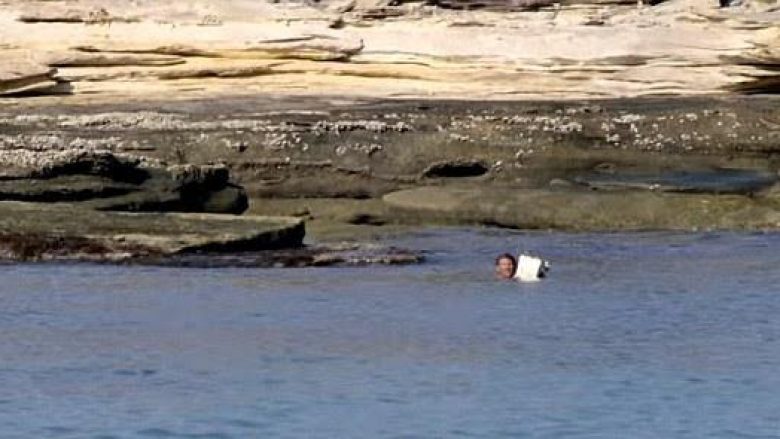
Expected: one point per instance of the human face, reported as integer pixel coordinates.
(505, 268)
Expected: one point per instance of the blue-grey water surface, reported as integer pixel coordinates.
(651, 335)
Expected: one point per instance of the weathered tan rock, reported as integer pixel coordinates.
(57, 13)
(19, 74)
(580, 49)
(766, 56)
(314, 47)
(86, 59)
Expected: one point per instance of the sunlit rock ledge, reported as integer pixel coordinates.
(506, 50)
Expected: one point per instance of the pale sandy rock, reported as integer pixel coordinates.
(195, 68)
(20, 74)
(575, 49)
(341, 6)
(314, 47)
(86, 59)
(766, 56)
(57, 13)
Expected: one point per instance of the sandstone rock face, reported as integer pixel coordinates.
(90, 59)
(496, 49)
(58, 13)
(313, 47)
(21, 75)
(767, 56)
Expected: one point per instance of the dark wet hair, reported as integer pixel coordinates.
(510, 257)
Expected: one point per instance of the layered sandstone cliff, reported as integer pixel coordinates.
(99, 51)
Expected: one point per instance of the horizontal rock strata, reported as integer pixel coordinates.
(19, 76)
(573, 49)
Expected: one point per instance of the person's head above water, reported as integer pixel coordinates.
(506, 266)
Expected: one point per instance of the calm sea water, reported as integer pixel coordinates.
(633, 336)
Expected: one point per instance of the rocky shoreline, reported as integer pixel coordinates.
(660, 163)
(221, 129)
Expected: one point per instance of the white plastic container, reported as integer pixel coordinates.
(531, 268)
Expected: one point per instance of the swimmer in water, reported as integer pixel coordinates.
(506, 266)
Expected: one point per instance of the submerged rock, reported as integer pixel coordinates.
(307, 256)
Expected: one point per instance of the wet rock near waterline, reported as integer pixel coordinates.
(308, 256)
(40, 232)
(712, 181)
(583, 210)
(106, 181)
(16, 246)
(307, 149)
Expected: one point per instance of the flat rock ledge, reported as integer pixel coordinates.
(588, 209)
(61, 232)
(22, 76)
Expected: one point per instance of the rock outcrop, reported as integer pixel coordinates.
(494, 49)
(34, 231)
(20, 75)
(642, 162)
(564, 209)
(106, 181)
(385, 103)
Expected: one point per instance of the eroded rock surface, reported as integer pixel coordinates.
(99, 179)
(20, 75)
(475, 49)
(705, 155)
